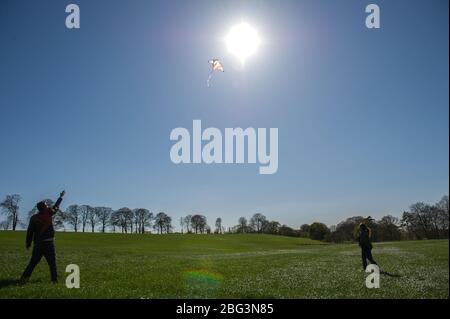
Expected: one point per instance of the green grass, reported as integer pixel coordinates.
(224, 266)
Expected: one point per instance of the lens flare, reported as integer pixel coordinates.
(202, 276)
(243, 41)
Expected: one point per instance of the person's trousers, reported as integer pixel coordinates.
(366, 254)
(46, 249)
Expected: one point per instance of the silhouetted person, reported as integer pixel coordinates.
(366, 245)
(41, 232)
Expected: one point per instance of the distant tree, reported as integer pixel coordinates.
(318, 231)
(103, 216)
(204, 225)
(187, 223)
(92, 218)
(388, 229)
(182, 224)
(198, 223)
(10, 208)
(242, 225)
(257, 222)
(424, 221)
(116, 221)
(5, 224)
(84, 213)
(271, 227)
(143, 219)
(147, 221)
(443, 207)
(135, 221)
(168, 224)
(162, 223)
(195, 223)
(59, 219)
(421, 221)
(121, 218)
(304, 231)
(347, 230)
(287, 231)
(218, 225)
(73, 216)
(129, 219)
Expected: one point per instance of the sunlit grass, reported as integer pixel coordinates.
(224, 266)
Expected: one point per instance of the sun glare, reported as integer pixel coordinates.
(242, 41)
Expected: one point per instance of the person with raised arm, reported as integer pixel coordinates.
(41, 232)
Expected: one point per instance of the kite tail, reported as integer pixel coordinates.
(209, 79)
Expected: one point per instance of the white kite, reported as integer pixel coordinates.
(215, 66)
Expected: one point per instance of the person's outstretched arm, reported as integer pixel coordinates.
(55, 207)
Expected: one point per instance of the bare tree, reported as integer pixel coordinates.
(122, 217)
(195, 222)
(129, 217)
(92, 218)
(159, 222)
(422, 221)
(73, 216)
(143, 218)
(187, 222)
(182, 224)
(4, 225)
(388, 229)
(85, 211)
(137, 228)
(163, 223)
(103, 216)
(168, 224)
(443, 215)
(219, 228)
(257, 221)
(198, 223)
(10, 208)
(114, 221)
(242, 225)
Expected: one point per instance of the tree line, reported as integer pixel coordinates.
(421, 221)
(83, 218)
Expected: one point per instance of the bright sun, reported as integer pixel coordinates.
(242, 41)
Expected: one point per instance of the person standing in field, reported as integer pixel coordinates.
(365, 243)
(41, 232)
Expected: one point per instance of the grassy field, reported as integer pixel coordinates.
(224, 266)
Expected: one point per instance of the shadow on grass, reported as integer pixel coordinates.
(9, 282)
(389, 274)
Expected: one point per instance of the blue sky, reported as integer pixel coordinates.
(362, 114)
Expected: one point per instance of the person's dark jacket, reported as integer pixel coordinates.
(364, 239)
(40, 227)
